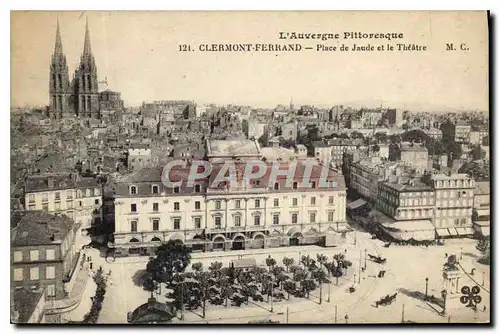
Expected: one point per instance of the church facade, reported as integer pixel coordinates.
(81, 95)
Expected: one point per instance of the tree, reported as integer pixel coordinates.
(290, 287)
(308, 285)
(172, 258)
(483, 245)
(356, 134)
(287, 262)
(198, 266)
(270, 262)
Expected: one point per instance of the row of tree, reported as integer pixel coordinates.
(219, 285)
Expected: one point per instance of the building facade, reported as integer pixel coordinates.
(43, 252)
(223, 217)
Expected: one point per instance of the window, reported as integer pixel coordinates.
(50, 254)
(51, 290)
(313, 200)
(34, 274)
(32, 207)
(58, 196)
(133, 207)
(295, 185)
(18, 274)
(276, 202)
(177, 206)
(217, 205)
(177, 190)
(197, 222)
(154, 189)
(133, 190)
(156, 224)
(133, 226)
(197, 188)
(97, 192)
(312, 217)
(276, 219)
(80, 203)
(257, 203)
(177, 223)
(237, 204)
(57, 206)
(45, 207)
(294, 218)
(50, 272)
(330, 200)
(45, 197)
(31, 198)
(313, 184)
(197, 205)
(294, 201)
(18, 256)
(34, 255)
(330, 216)
(217, 222)
(256, 220)
(237, 220)
(276, 186)
(69, 205)
(155, 207)
(96, 201)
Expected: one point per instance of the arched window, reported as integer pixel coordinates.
(155, 189)
(133, 190)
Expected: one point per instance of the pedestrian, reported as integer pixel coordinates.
(445, 255)
(345, 251)
(484, 308)
(91, 265)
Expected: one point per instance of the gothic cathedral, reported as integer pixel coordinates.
(82, 95)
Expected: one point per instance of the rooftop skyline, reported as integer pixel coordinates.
(138, 54)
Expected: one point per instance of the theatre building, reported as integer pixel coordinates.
(210, 215)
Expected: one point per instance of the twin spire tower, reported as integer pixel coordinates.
(81, 96)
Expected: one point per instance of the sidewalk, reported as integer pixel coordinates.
(75, 295)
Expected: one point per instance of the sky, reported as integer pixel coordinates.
(138, 54)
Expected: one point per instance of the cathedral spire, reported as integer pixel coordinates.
(58, 49)
(87, 51)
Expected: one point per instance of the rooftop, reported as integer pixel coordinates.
(39, 228)
(224, 148)
(49, 181)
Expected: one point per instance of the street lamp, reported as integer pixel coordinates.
(354, 278)
(444, 293)
(483, 279)
(426, 286)
(461, 252)
(355, 237)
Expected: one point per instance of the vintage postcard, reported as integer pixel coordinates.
(283, 167)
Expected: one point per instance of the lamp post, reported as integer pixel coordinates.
(365, 258)
(354, 278)
(272, 295)
(483, 279)
(461, 253)
(329, 288)
(355, 237)
(426, 286)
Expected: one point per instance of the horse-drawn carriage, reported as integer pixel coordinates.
(387, 300)
(377, 259)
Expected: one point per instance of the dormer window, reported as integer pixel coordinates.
(155, 189)
(177, 190)
(313, 184)
(295, 185)
(197, 188)
(133, 190)
(276, 186)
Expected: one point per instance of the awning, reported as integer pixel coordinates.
(356, 204)
(469, 230)
(461, 231)
(453, 231)
(442, 232)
